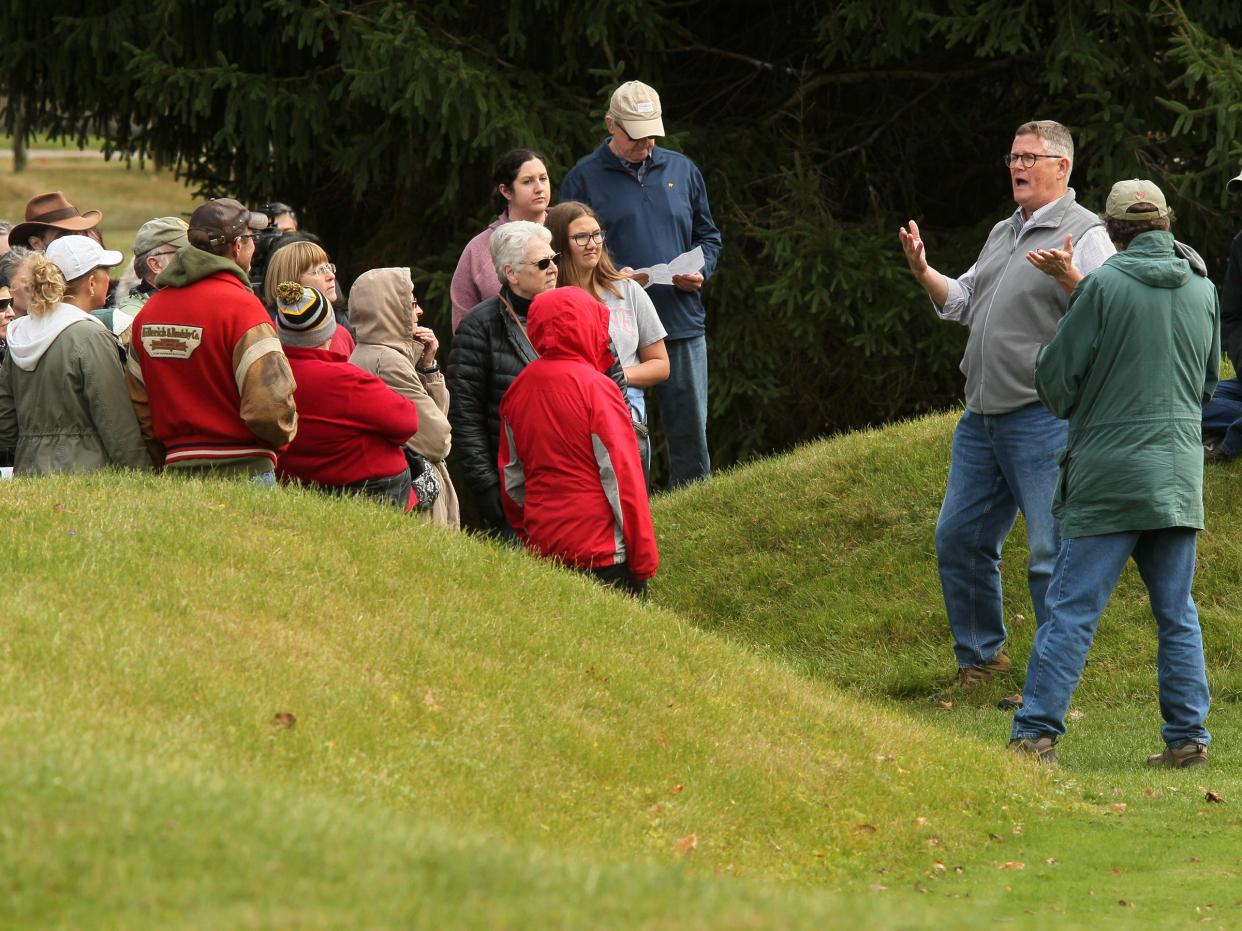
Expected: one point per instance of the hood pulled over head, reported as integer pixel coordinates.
(568, 323)
(379, 307)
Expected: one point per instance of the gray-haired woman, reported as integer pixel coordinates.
(490, 348)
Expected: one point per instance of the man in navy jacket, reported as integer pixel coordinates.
(653, 204)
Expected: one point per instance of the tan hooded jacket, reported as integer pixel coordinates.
(383, 320)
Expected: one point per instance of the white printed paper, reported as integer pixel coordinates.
(688, 263)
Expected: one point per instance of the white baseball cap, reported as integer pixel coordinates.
(77, 255)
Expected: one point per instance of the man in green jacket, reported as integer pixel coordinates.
(1133, 361)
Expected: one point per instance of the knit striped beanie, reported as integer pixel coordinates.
(303, 315)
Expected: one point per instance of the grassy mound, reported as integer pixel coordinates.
(468, 726)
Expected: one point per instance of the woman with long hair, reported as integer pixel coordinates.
(633, 324)
(63, 400)
(522, 192)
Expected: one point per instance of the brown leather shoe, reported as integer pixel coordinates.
(1179, 756)
(970, 678)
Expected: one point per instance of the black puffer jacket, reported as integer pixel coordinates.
(489, 351)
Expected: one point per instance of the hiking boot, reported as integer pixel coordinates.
(1040, 749)
(1179, 756)
(1212, 451)
(1010, 702)
(970, 678)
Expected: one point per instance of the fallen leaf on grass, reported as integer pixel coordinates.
(1051, 861)
(1076, 715)
(1119, 807)
(283, 719)
(938, 866)
(654, 811)
(1114, 872)
(661, 739)
(878, 886)
(677, 789)
(862, 830)
(1124, 904)
(1150, 793)
(946, 705)
(1017, 829)
(429, 701)
(1192, 860)
(884, 758)
(59, 507)
(920, 821)
(686, 845)
(1013, 865)
(1215, 797)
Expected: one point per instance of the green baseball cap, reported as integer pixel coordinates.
(1136, 200)
(162, 231)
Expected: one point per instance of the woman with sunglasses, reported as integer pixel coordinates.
(7, 313)
(306, 263)
(633, 323)
(489, 351)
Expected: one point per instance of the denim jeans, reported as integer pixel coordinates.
(1223, 414)
(683, 410)
(1086, 572)
(1001, 464)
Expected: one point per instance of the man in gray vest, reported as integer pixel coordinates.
(1006, 444)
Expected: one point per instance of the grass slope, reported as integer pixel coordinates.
(825, 559)
(480, 739)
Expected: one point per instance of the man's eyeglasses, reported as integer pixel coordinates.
(544, 264)
(581, 239)
(326, 269)
(6, 303)
(1026, 159)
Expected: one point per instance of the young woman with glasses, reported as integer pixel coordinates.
(634, 326)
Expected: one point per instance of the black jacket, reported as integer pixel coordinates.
(489, 351)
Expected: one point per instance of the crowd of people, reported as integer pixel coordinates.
(1091, 366)
(230, 349)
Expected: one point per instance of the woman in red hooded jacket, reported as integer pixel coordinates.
(571, 480)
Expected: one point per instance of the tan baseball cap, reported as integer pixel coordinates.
(1136, 200)
(637, 108)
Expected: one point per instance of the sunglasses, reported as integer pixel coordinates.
(544, 264)
(6, 303)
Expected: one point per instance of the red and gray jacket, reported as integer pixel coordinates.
(571, 481)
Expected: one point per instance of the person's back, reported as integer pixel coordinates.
(1134, 456)
(211, 385)
(570, 474)
(63, 401)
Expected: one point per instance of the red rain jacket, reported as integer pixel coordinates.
(570, 478)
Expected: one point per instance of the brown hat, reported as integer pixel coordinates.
(218, 222)
(44, 210)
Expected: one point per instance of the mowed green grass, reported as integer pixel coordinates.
(479, 739)
(482, 740)
(825, 560)
(127, 196)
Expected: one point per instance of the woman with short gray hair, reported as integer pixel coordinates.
(490, 348)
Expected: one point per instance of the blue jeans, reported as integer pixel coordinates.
(1001, 464)
(1223, 414)
(683, 410)
(1086, 572)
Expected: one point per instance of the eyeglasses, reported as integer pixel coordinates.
(544, 264)
(154, 255)
(581, 239)
(6, 303)
(326, 269)
(1026, 159)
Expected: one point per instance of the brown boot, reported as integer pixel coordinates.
(970, 678)
(1040, 749)
(1179, 756)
